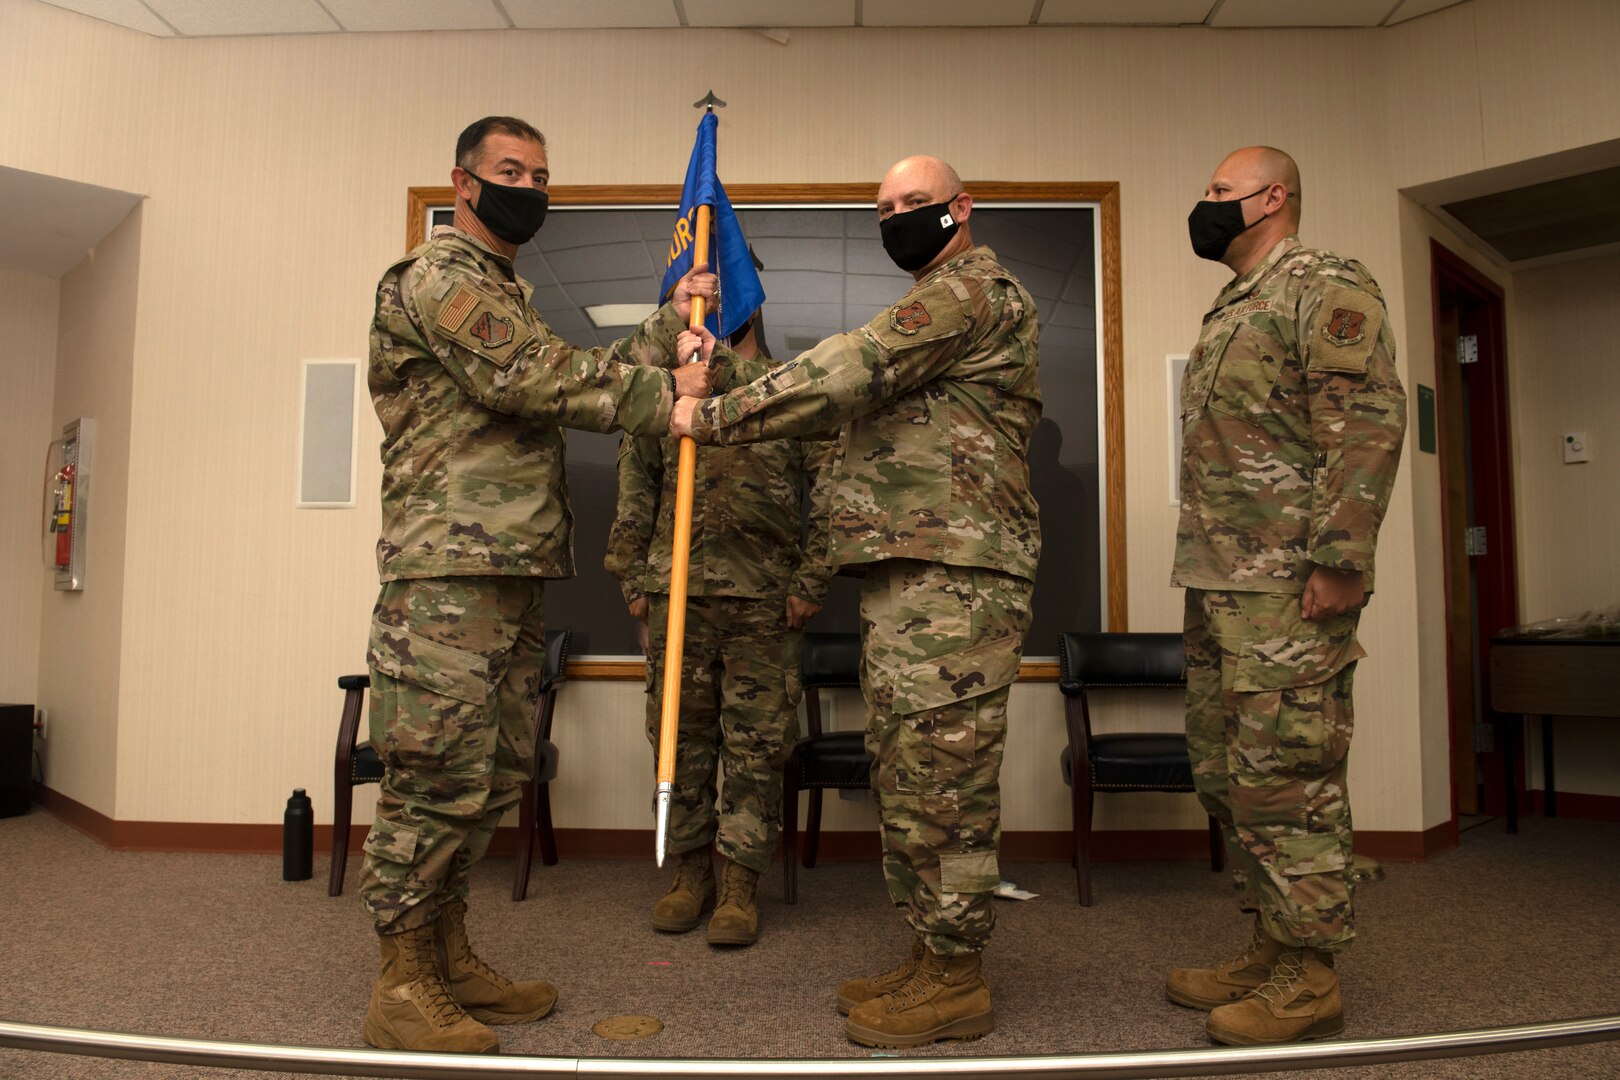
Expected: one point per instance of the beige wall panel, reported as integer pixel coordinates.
(78, 96)
(81, 659)
(1548, 80)
(1566, 377)
(28, 314)
(277, 169)
(1565, 371)
(1432, 107)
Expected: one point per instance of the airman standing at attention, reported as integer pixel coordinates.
(1292, 420)
(756, 575)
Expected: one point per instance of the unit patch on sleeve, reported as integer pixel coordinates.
(1344, 326)
(910, 318)
(492, 330)
(1346, 331)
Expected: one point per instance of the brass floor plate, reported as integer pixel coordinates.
(628, 1027)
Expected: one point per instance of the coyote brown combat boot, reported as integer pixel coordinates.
(736, 914)
(411, 1005)
(690, 895)
(1300, 1002)
(852, 992)
(945, 998)
(482, 991)
(1209, 988)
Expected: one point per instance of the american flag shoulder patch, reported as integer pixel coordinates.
(455, 311)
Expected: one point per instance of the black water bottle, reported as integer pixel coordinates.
(298, 838)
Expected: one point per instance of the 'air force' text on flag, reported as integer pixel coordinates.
(741, 292)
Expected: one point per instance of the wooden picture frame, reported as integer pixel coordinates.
(1104, 194)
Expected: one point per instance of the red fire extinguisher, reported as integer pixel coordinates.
(62, 516)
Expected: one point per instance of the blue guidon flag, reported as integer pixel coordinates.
(741, 292)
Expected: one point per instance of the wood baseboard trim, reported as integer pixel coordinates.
(1120, 845)
(1573, 804)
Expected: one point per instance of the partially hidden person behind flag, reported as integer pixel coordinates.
(473, 390)
(1292, 422)
(758, 570)
(936, 399)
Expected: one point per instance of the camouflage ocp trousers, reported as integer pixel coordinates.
(940, 647)
(455, 677)
(1268, 729)
(740, 695)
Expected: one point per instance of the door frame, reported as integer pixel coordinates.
(1494, 605)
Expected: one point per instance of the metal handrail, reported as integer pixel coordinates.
(332, 1060)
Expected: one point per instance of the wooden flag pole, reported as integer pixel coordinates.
(679, 564)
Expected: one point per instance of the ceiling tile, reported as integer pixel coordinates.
(571, 14)
(416, 14)
(1133, 12)
(946, 13)
(1411, 9)
(1295, 13)
(787, 13)
(203, 18)
(130, 13)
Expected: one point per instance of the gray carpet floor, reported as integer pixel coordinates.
(1501, 930)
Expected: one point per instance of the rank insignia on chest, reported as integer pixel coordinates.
(1345, 327)
(492, 330)
(910, 318)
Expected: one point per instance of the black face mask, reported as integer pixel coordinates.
(513, 214)
(913, 238)
(1213, 226)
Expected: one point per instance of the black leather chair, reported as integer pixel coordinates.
(358, 763)
(821, 760)
(1133, 761)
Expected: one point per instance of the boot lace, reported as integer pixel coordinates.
(1289, 970)
(425, 965)
(733, 886)
(1255, 945)
(466, 957)
(690, 872)
(924, 979)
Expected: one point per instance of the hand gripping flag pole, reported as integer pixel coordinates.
(703, 201)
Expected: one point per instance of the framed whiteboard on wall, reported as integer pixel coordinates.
(824, 274)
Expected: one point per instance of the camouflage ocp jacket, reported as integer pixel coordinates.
(937, 398)
(1292, 417)
(473, 391)
(747, 521)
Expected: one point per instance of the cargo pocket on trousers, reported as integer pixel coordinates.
(392, 842)
(1309, 723)
(434, 686)
(1302, 856)
(969, 872)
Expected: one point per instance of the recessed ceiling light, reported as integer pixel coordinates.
(619, 314)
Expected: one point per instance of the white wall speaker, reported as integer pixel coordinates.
(327, 422)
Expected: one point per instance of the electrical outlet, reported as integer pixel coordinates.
(42, 718)
(1577, 448)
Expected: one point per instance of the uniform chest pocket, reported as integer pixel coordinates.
(1201, 364)
(1247, 372)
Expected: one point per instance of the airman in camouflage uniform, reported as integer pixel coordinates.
(473, 391)
(936, 398)
(751, 585)
(1292, 420)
